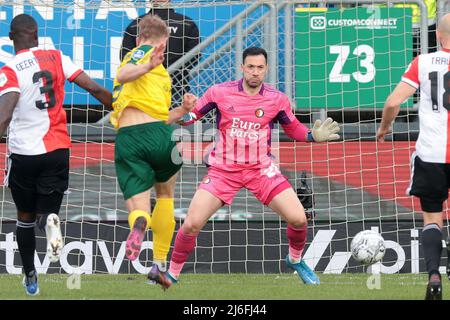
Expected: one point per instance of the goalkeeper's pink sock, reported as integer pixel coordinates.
(297, 241)
(184, 244)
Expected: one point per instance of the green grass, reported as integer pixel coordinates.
(223, 286)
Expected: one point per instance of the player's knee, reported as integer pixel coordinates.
(164, 192)
(190, 227)
(26, 217)
(298, 222)
(165, 189)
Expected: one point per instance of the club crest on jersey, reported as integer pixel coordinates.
(3, 79)
(259, 113)
(206, 180)
(138, 54)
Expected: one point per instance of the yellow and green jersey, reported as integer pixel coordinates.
(150, 93)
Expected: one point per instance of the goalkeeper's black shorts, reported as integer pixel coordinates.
(430, 183)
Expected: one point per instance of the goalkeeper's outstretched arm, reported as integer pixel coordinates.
(192, 109)
(326, 131)
(297, 131)
(179, 113)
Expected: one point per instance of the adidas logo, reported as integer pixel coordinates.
(231, 109)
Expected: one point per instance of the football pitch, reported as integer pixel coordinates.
(356, 286)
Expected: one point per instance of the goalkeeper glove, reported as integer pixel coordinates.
(325, 131)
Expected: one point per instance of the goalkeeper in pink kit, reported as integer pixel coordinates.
(246, 111)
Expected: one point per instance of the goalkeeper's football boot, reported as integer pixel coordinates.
(164, 279)
(434, 288)
(30, 282)
(304, 272)
(135, 238)
(55, 241)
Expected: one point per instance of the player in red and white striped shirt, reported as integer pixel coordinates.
(430, 163)
(31, 104)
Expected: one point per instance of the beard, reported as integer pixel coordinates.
(253, 83)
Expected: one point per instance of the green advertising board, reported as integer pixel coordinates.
(350, 58)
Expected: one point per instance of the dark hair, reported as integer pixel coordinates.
(22, 24)
(254, 51)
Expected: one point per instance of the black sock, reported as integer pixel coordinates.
(432, 247)
(26, 242)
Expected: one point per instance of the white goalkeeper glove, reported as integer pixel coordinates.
(325, 131)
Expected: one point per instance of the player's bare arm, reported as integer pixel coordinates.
(189, 101)
(392, 107)
(8, 102)
(99, 92)
(131, 72)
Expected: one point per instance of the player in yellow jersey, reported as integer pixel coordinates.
(144, 147)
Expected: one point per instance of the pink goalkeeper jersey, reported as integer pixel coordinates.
(244, 124)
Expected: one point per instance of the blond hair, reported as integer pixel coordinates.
(152, 27)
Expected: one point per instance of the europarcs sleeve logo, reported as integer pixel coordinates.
(318, 22)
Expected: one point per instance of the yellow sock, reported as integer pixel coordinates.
(136, 214)
(163, 225)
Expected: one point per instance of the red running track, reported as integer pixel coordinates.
(381, 169)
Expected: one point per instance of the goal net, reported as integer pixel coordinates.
(336, 60)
